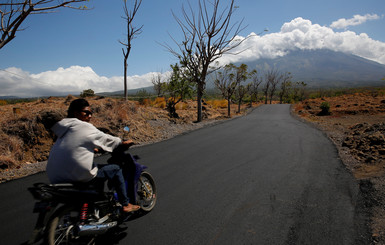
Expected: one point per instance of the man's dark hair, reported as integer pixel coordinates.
(76, 106)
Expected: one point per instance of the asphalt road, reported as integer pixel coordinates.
(265, 178)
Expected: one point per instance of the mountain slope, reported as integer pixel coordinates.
(324, 68)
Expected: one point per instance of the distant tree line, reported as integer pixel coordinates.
(236, 84)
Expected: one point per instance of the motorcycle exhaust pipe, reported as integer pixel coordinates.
(96, 229)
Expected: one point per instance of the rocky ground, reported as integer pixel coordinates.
(354, 122)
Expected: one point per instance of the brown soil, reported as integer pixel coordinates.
(356, 125)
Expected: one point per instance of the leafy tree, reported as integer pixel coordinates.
(229, 82)
(87, 93)
(178, 88)
(14, 12)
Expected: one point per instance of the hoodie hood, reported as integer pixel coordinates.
(61, 127)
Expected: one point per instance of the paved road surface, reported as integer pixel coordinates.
(265, 178)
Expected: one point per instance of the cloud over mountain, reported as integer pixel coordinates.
(298, 34)
(302, 34)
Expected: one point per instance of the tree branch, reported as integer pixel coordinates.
(14, 13)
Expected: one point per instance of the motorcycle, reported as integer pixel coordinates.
(80, 213)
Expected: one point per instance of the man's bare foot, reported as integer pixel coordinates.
(130, 208)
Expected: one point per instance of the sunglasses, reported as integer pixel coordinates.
(88, 113)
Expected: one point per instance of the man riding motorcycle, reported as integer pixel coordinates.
(71, 157)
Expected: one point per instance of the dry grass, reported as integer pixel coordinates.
(218, 104)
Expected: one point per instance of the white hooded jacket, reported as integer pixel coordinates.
(71, 157)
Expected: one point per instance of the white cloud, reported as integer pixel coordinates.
(304, 35)
(72, 80)
(356, 20)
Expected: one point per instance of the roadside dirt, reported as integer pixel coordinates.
(356, 125)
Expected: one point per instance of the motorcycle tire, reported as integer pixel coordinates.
(146, 192)
(60, 228)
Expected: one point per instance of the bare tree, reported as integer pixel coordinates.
(265, 90)
(240, 93)
(157, 82)
(225, 82)
(285, 87)
(14, 12)
(272, 79)
(132, 32)
(299, 89)
(208, 34)
(253, 86)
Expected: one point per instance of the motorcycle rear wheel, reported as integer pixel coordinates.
(146, 192)
(60, 228)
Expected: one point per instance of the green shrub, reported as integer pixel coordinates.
(325, 108)
(87, 93)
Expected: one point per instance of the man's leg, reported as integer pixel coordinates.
(113, 173)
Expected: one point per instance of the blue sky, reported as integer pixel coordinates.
(71, 41)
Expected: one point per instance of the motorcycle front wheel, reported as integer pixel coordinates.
(61, 228)
(146, 192)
